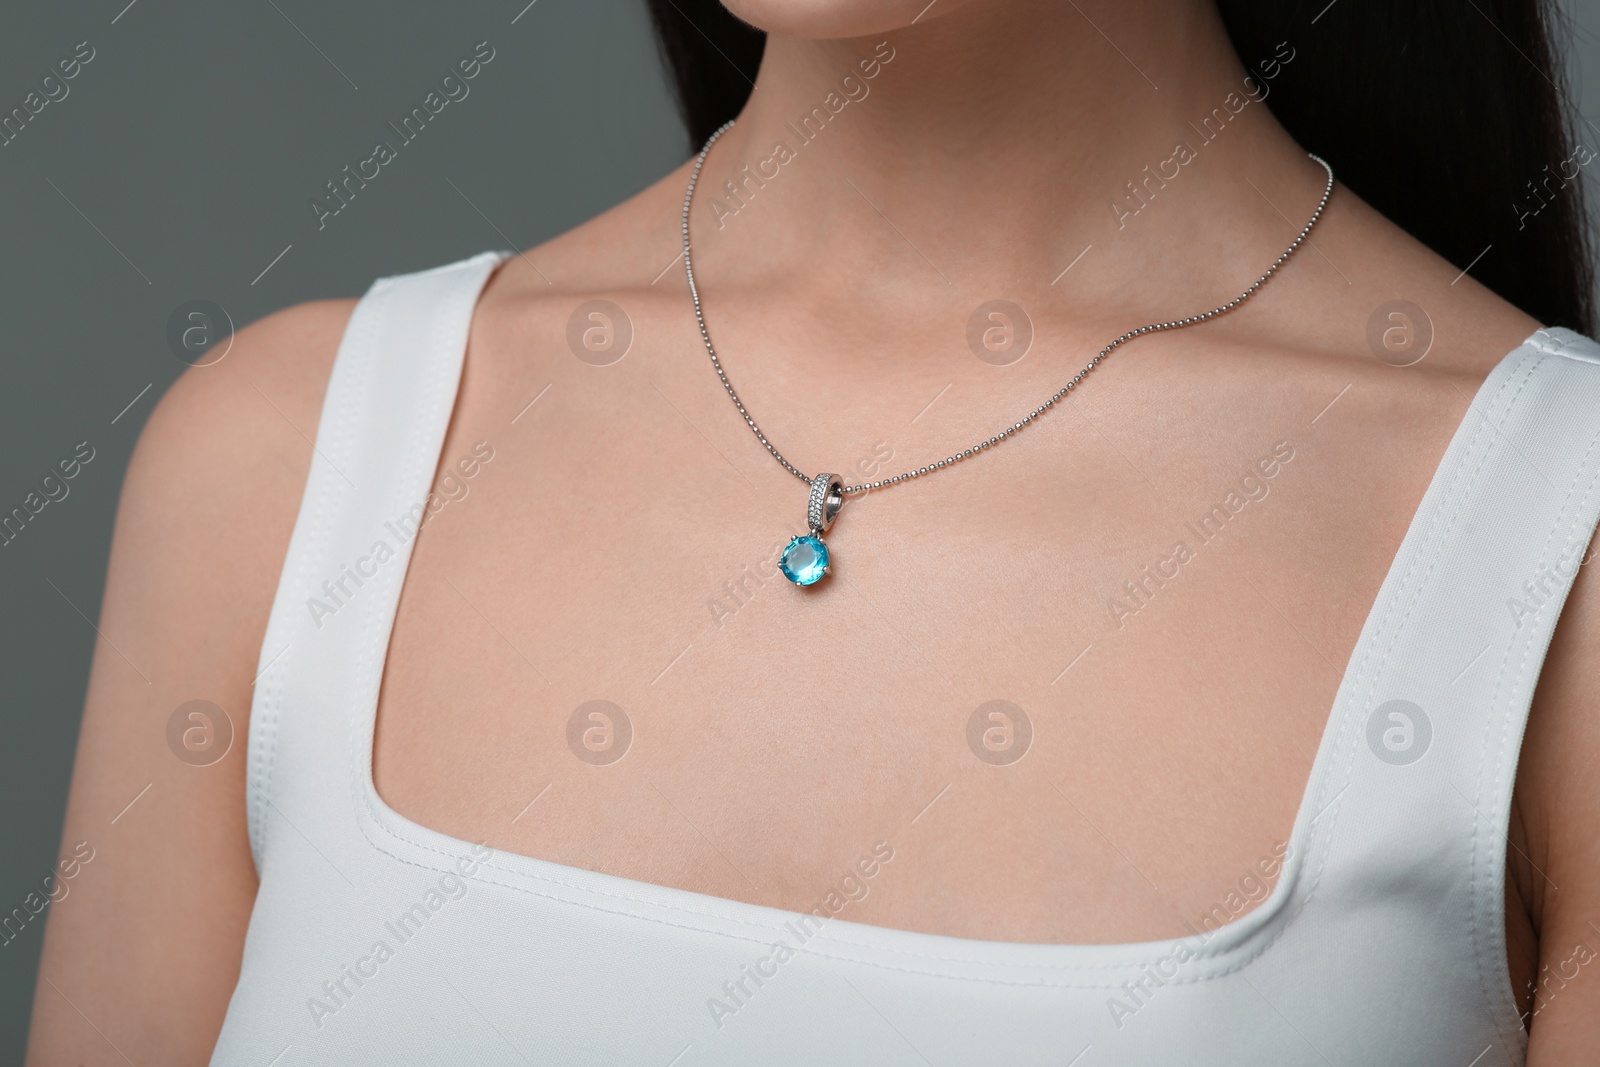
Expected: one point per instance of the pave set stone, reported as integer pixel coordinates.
(819, 492)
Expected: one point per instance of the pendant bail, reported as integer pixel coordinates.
(827, 497)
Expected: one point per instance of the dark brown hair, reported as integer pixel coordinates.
(1450, 119)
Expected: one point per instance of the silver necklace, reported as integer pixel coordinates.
(806, 558)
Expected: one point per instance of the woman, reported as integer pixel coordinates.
(1180, 724)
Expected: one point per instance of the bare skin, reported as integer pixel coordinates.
(1168, 760)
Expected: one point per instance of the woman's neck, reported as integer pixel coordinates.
(990, 145)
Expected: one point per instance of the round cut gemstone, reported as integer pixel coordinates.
(805, 560)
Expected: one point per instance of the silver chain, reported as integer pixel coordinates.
(688, 267)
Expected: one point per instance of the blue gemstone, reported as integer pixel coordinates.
(805, 560)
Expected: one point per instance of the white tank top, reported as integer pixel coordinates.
(375, 940)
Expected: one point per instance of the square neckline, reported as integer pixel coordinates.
(1228, 947)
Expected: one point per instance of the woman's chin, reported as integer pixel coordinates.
(834, 19)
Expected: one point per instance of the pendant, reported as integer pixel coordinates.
(805, 559)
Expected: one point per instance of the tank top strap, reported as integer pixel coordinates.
(1412, 805)
(388, 405)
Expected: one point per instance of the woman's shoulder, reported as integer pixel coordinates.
(215, 481)
(630, 253)
(232, 440)
(1388, 302)
(229, 445)
(276, 366)
(208, 505)
(1425, 335)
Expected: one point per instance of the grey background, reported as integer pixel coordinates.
(178, 167)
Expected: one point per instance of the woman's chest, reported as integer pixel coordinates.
(1072, 693)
